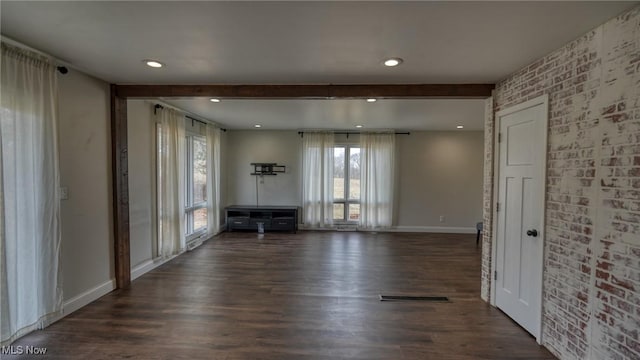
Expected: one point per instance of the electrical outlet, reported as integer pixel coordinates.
(64, 193)
(441, 218)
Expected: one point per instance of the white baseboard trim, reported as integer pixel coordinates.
(416, 229)
(87, 297)
(144, 268)
(151, 264)
(311, 228)
(434, 229)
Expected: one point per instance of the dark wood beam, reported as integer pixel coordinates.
(119, 155)
(120, 178)
(320, 91)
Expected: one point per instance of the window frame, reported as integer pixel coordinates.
(346, 201)
(191, 207)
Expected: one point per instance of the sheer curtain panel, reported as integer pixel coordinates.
(377, 152)
(213, 182)
(317, 179)
(30, 281)
(171, 182)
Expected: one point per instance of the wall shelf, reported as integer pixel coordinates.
(261, 169)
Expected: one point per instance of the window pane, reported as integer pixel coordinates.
(199, 219)
(338, 173)
(354, 212)
(354, 174)
(338, 211)
(199, 170)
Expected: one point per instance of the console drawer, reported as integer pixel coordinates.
(283, 223)
(235, 222)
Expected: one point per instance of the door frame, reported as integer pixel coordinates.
(544, 101)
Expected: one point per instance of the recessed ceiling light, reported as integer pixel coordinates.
(393, 62)
(257, 126)
(372, 100)
(214, 100)
(153, 63)
(358, 126)
(459, 127)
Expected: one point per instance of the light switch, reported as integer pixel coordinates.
(64, 193)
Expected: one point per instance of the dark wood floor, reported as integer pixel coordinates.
(294, 296)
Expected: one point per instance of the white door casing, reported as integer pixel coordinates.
(519, 231)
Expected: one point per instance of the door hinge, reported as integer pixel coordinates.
(499, 137)
(497, 207)
(495, 275)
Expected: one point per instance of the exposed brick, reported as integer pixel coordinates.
(591, 297)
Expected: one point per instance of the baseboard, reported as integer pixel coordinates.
(417, 229)
(88, 297)
(311, 228)
(144, 268)
(434, 229)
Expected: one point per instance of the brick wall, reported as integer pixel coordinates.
(591, 295)
(487, 208)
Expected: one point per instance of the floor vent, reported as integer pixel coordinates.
(414, 298)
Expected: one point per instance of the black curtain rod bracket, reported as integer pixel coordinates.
(158, 106)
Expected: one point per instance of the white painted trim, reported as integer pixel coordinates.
(543, 210)
(416, 229)
(541, 100)
(311, 228)
(87, 297)
(144, 268)
(151, 264)
(494, 201)
(434, 229)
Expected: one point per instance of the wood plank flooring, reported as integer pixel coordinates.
(311, 295)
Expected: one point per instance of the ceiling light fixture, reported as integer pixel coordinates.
(358, 126)
(214, 100)
(393, 62)
(459, 127)
(153, 63)
(372, 100)
(257, 126)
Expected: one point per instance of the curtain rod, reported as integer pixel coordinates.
(60, 65)
(158, 106)
(301, 133)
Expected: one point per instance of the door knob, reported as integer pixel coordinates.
(533, 233)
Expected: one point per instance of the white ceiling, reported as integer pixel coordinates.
(306, 42)
(399, 114)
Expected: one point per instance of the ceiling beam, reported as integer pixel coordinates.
(320, 91)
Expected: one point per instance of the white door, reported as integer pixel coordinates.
(519, 231)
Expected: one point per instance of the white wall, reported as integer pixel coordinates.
(140, 135)
(441, 174)
(85, 168)
(251, 146)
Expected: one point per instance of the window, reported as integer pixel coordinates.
(346, 183)
(196, 186)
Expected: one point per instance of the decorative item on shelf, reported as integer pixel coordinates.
(267, 169)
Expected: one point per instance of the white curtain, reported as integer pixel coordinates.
(213, 179)
(171, 181)
(317, 179)
(377, 152)
(30, 279)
